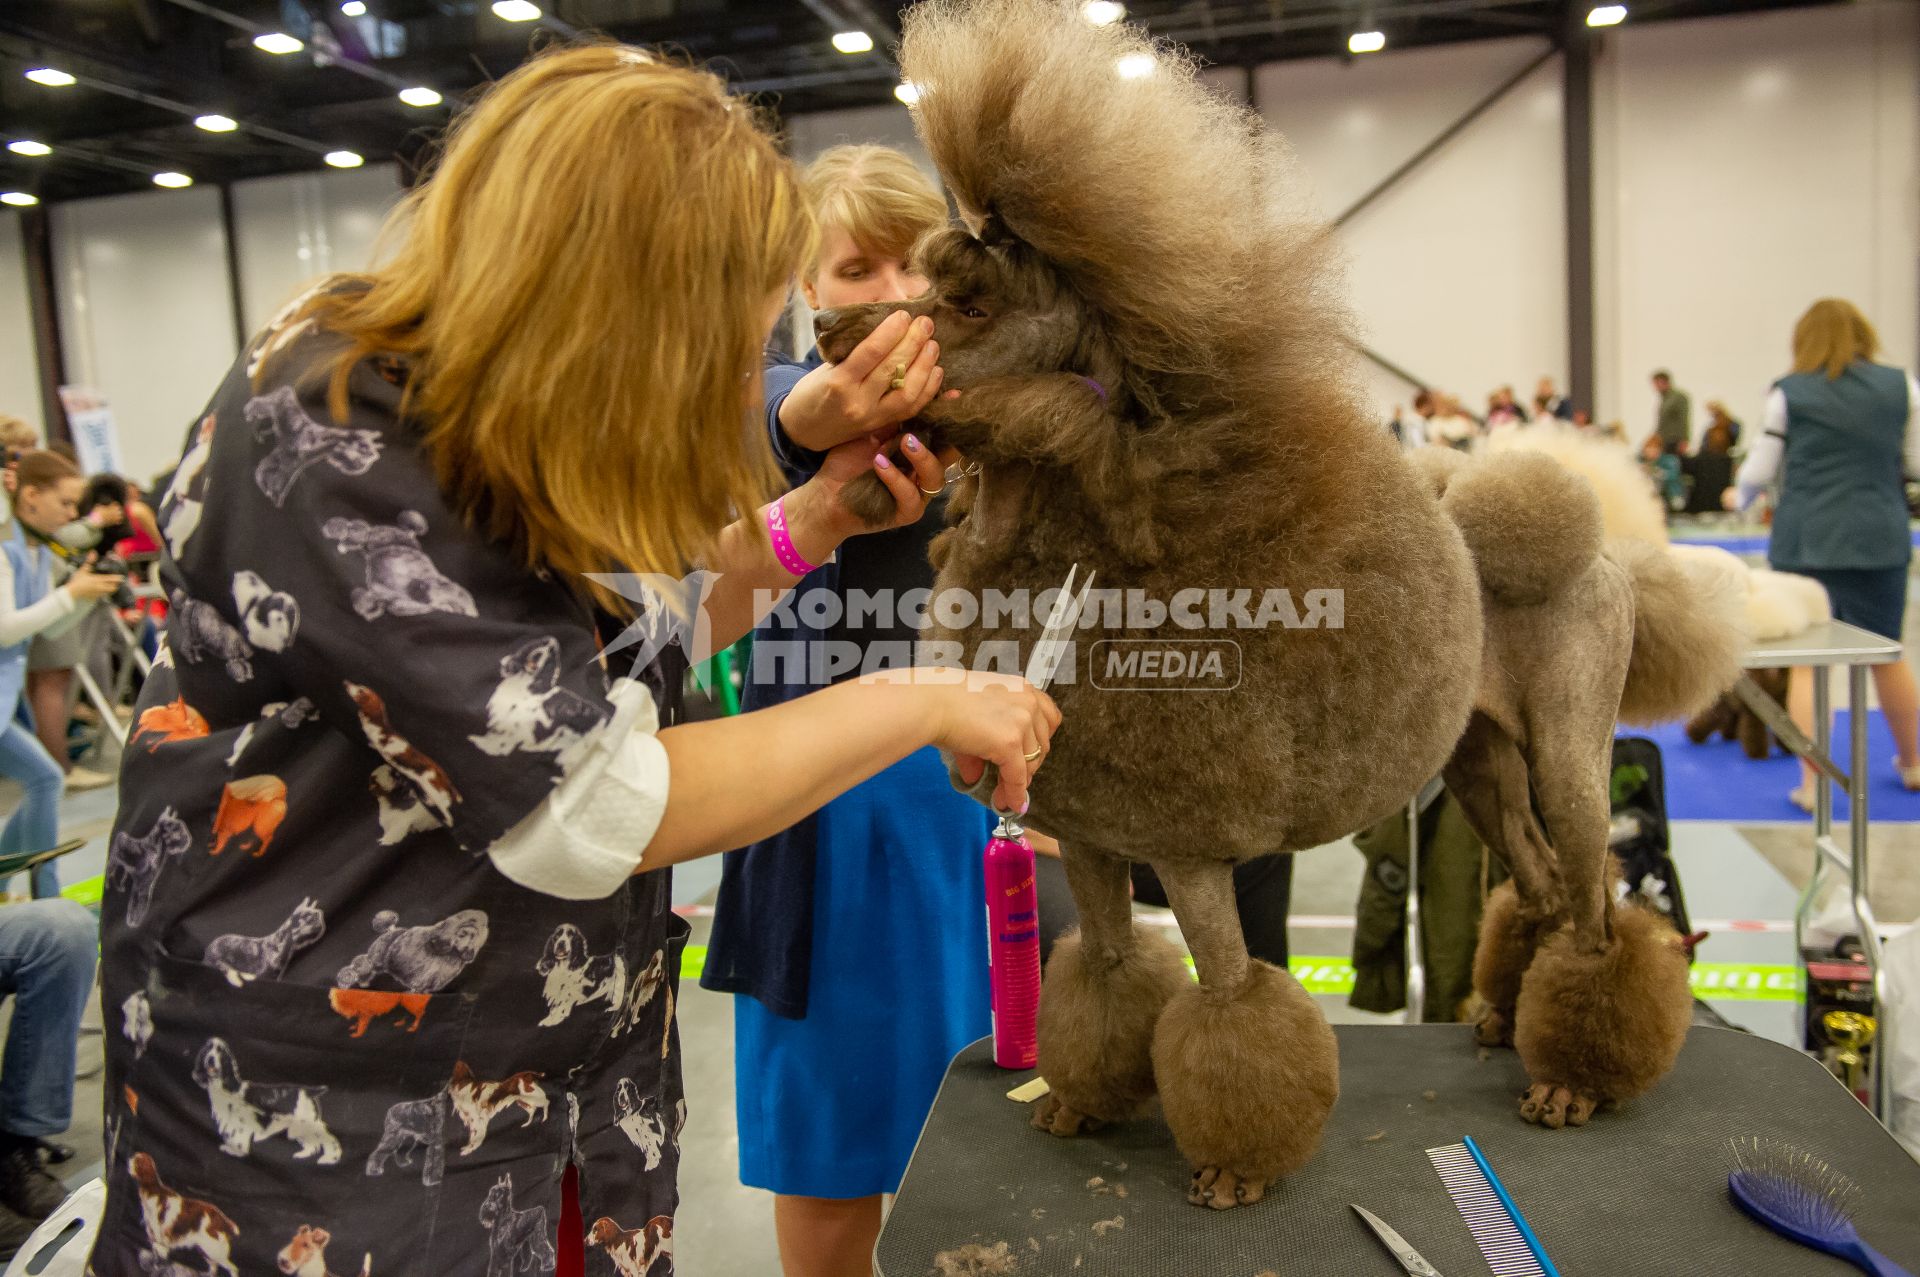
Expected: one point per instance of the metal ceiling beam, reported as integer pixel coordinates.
(1577, 156)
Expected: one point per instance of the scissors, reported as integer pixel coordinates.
(1410, 1259)
(1044, 661)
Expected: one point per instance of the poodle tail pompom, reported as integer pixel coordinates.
(1689, 631)
(385, 920)
(1532, 524)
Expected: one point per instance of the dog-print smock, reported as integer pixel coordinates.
(339, 1040)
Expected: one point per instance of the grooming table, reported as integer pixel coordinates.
(1823, 647)
(1639, 1192)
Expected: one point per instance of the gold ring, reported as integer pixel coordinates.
(1035, 754)
(899, 381)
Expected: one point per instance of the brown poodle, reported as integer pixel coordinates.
(1156, 383)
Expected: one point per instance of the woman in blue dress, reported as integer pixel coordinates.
(857, 934)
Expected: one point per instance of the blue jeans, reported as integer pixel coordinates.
(36, 825)
(47, 950)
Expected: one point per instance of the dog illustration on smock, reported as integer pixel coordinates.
(306, 1255)
(517, 1239)
(136, 1021)
(134, 864)
(430, 779)
(412, 1124)
(251, 809)
(401, 810)
(424, 959)
(163, 724)
(245, 1113)
(641, 993)
(176, 1222)
(186, 496)
(477, 1103)
(529, 712)
(574, 979)
(401, 579)
(198, 632)
(289, 714)
(245, 959)
(268, 617)
(634, 1251)
(300, 442)
(641, 1121)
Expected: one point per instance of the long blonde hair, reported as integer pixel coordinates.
(874, 193)
(581, 289)
(1832, 334)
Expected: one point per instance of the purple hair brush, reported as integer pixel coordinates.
(1801, 1197)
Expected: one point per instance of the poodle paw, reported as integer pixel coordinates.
(1223, 1190)
(1057, 1118)
(1493, 1028)
(1553, 1106)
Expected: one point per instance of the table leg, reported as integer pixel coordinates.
(1416, 952)
(1822, 811)
(1863, 909)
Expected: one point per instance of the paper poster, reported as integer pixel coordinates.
(95, 440)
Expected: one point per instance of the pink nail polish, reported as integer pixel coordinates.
(1024, 804)
(911, 444)
(880, 460)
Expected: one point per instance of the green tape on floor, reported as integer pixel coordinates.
(1333, 977)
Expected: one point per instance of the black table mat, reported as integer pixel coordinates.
(1641, 1190)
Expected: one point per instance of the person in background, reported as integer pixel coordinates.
(1549, 402)
(1710, 470)
(1663, 467)
(1450, 424)
(46, 496)
(1719, 418)
(47, 951)
(854, 936)
(1837, 432)
(1409, 430)
(1674, 428)
(51, 660)
(1503, 411)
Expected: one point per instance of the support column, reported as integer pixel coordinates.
(235, 297)
(36, 241)
(1577, 117)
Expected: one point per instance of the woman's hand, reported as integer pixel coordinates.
(913, 490)
(1730, 499)
(839, 402)
(86, 585)
(993, 718)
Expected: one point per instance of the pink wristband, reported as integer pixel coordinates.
(783, 550)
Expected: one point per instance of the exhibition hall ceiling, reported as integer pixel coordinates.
(126, 91)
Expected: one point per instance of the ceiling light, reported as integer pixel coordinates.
(353, 9)
(1606, 15)
(345, 159)
(420, 95)
(852, 41)
(907, 91)
(215, 123)
(19, 199)
(1366, 42)
(516, 10)
(51, 78)
(277, 42)
(25, 147)
(1135, 66)
(172, 181)
(1103, 13)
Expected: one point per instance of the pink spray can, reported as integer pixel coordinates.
(1013, 947)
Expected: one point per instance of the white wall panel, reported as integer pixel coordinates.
(145, 312)
(19, 365)
(1752, 164)
(293, 228)
(1458, 272)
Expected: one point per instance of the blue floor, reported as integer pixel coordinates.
(1716, 781)
(1744, 544)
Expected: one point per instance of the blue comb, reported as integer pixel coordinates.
(1801, 1197)
(1498, 1228)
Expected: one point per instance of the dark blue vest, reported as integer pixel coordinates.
(1841, 499)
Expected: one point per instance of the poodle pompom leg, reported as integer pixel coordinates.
(1598, 1028)
(1508, 936)
(1105, 986)
(1247, 1082)
(1247, 1066)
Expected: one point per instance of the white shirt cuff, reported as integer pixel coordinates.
(587, 838)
